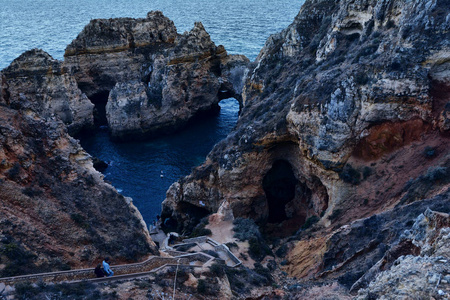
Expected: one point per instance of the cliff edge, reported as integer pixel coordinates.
(345, 115)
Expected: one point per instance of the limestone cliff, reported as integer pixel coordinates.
(55, 210)
(344, 117)
(37, 82)
(153, 79)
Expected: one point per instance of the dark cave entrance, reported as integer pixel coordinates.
(100, 99)
(279, 185)
(291, 203)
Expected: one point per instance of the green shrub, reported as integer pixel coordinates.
(201, 287)
(390, 24)
(200, 229)
(367, 171)
(361, 78)
(14, 172)
(217, 269)
(25, 290)
(435, 174)
(207, 288)
(231, 245)
(32, 192)
(245, 229)
(265, 272)
(258, 249)
(20, 260)
(282, 251)
(417, 189)
(350, 175)
(200, 232)
(77, 218)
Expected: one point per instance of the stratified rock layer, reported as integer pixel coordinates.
(346, 95)
(153, 80)
(37, 82)
(345, 115)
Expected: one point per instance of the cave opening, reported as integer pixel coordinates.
(100, 99)
(279, 184)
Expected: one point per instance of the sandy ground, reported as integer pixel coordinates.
(222, 232)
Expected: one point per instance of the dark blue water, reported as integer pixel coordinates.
(135, 168)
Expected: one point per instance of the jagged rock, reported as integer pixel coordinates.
(355, 253)
(37, 82)
(108, 51)
(423, 276)
(153, 80)
(56, 211)
(347, 96)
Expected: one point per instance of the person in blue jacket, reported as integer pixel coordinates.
(106, 267)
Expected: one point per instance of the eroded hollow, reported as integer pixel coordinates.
(293, 201)
(279, 185)
(100, 100)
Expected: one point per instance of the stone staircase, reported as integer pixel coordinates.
(130, 271)
(121, 272)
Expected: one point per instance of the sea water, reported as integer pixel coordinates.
(145, 170)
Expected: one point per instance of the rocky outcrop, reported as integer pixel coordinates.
(56, 212)
(153, 80)
(37, 82)
(108, 51)
(335, 109)
(344, 117)
(425, 275)
(355, 253)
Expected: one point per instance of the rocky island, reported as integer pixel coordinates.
(151, 79)
(333, 185)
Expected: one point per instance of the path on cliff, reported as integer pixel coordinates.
(171, 257)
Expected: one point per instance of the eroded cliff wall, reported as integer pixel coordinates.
(56, 211)
(36, 82)
(152, 79)
(345, 115)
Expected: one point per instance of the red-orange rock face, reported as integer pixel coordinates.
(352, 98)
